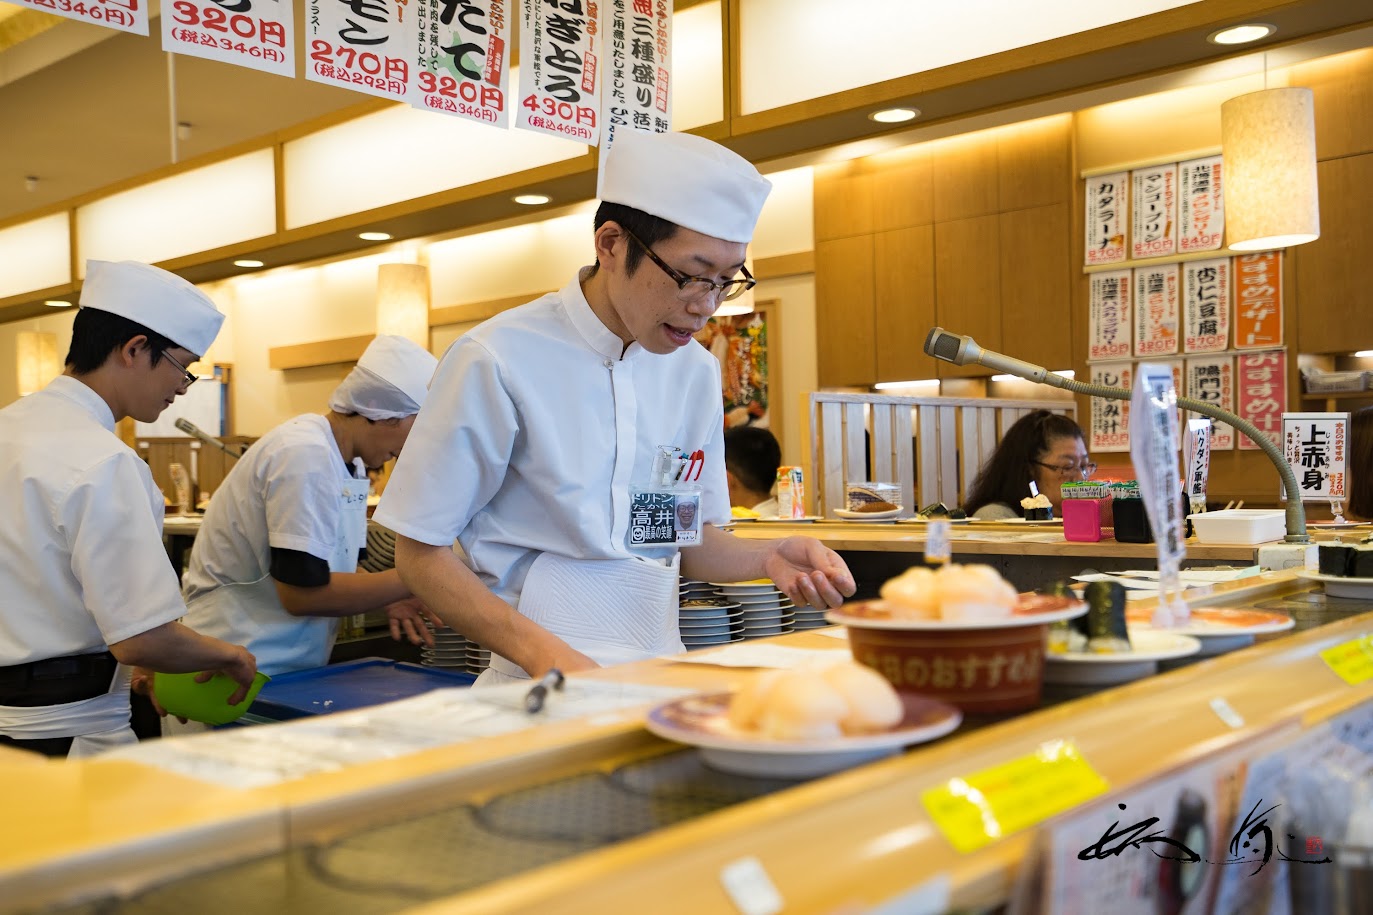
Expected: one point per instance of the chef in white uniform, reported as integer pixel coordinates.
(88, 591)
(275, 563)
(545, 425)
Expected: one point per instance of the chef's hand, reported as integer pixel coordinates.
(409, 616)
(809, 572)
(142, 683)
(241, 668)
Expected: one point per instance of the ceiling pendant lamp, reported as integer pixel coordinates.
(1268, 142)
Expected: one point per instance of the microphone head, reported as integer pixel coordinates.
(943, 345)
(185, 425)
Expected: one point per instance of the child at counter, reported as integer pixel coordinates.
(752, 457)
(1041, 447)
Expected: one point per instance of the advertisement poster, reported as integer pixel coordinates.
(1315, 445)
(463, 59)
(1106, 205)
(1201, 206)
(638, 78)
(1156, 310)
(1212, 380)
(124, 15)
(1154, 211)
(363, 45)
(560, 80)
(1111, 418)
(255, 33)
(1261, 388)
(1206, 305)
(1258, 300)
(1109, 328)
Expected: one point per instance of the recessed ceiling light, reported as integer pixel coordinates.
(57, 303)
(1066, 373)
(890, 385)
(1365, 354)
(247, 263)
(894, 115)
(374, 236)
(1242, 34)
(532, 200)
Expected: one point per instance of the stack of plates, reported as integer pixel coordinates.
(450, 650)
(764, 610)
(478, 659)
(705, 617)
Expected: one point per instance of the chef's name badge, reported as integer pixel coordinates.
(664, 516)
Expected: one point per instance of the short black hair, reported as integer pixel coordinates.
(96, 334)
(647, 228)
(753, 455)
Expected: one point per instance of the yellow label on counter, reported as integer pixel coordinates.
(1352, 660)
(977, 810)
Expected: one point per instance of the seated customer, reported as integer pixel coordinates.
(752, 457)
(1041, 447)
(1360, 506)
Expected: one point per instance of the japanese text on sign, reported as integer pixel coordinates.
(638, 47)
(363, 45)
(1156, 310)
(1206, 310)
(1106, 202)
(1201, 205)
(1212, 380)
(1154, 208)
(1111, 418)
(1314, 444)
(1109, 328)
(1153, 451)
(1262, 393)
(463, 59)
(1258, 300)
(250, 33)
(124, 15)
(560, 86)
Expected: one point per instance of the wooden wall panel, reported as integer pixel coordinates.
(1034, 163)
(843, 200)
(844, 317)
(904, 265)
(904, 195)
(967, 274)
(1036, 306)
(1334, 282)
(1342, 88)
(966, 177)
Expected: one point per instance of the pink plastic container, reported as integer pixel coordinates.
(1082, 519)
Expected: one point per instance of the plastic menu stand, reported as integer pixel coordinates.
(351, 685)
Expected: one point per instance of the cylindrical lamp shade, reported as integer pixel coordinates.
(1268, 141)
(403, 301)
(36, 355)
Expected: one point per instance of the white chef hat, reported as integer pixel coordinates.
(685, 179)
(389, 381)
(160, 301)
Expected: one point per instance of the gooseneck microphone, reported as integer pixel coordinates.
(963, 350)
(194, 431)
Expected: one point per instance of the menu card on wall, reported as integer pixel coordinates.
(1201, 206)
(255, 35)
(1111, 418)
(1109, 328)
(1258, 300)
(560, 78)
(1154, 208)
(638, 79)
(366, 48)
(124, 15)
(1156, 310)
(1206, 310)
(463, 60)
(1315, 445)
(1212, 380)
(1262, 392)
(1107, 197)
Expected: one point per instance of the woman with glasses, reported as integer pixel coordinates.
(1041, 447)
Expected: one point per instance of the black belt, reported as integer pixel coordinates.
(54, 681)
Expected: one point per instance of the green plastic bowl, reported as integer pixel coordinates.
(208, 702)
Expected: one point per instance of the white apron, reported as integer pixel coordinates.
(98, 724)
(251, 614)
(611, 610)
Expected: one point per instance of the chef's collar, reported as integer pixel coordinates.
(84, 397)
(592, 329)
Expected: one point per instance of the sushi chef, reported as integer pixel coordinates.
(89, 593)
(574, 445)
(275, 563)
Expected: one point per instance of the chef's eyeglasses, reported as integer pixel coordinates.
(1071, 470)
(189, 377)
(697, 287)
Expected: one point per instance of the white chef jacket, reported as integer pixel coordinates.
(533, 431)
(283, 493)
(81, 551)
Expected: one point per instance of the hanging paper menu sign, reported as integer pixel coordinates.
(1109, 328)
(1197, 450)
(1201, 206)
(124, 15)
(1154, 208)
(1315, 445)
(1106, 202)
(257, 33)
(1258, 300)
(1153, 451)
(363, 45)
(638, 52)
(1206, 309)
(463, 59)
(1110, 430)
(1156, 310)
(1262, 392)
(1213, 380)
(560, 86)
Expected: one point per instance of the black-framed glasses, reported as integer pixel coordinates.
(189, 378)
(696, 287)
(1064, 470)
